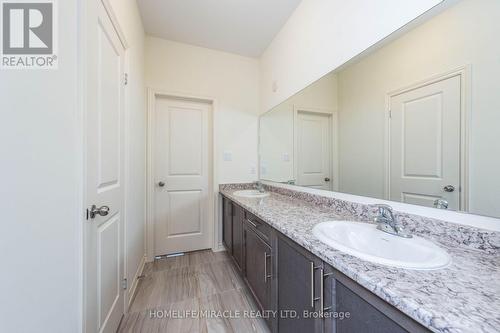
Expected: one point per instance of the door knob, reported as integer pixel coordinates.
(327, 179)
(449, 188)
(102, 211)
(161, 184)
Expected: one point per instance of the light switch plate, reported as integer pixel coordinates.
(228, 156)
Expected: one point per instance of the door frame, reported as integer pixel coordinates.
(334, 141)
(464, 73)
(85, 19)
(213, 212)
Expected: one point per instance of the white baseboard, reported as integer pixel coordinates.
(133, 286)
(219, 248)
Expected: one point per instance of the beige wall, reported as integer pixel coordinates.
(467, 33)
(277, 127)
(321, 35)
(231, 79)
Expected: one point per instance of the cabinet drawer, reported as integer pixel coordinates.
(262, 228)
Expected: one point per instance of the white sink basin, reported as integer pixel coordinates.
(251, 194)
(366, 242)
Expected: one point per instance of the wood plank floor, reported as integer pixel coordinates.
(190, 294)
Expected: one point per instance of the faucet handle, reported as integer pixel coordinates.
(387, 222)
(383, 207)
(441, 204)
(384, 210)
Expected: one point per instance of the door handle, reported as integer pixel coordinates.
(94, 211)
(322, 290)
(252, 223)
(323, 278)
(327, 179)
(265, 267)
(449, 188)
(161, 184)
(312, 285)
(313, 299)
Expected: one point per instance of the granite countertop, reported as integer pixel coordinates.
(463, 297)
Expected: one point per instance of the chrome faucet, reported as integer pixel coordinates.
(441, 204)
(387, 222)
(259, 186)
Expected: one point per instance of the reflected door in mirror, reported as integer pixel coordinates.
(425, 144)
(314, 150)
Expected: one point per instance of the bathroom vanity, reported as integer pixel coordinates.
(304, 285)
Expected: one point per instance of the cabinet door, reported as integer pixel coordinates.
(363, 316)
(257, 265)
(227, 225)
(299, 278)
(238, 218)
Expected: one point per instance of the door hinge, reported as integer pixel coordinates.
(390, 114)
(124, 284)
(125, 79)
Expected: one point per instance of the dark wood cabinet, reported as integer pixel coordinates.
(307, 294)
(259, 226)
(258, 267)
(368, 313)
(238, 218)
(363, 316)
(227, 224)
(299, 288)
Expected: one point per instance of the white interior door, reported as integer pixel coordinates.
(425, 144)
(181, 173)
(104, 234)
(314, 152)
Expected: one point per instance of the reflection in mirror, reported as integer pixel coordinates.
(303, 158)
(416, 119)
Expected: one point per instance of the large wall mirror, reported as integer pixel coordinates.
(415, 119)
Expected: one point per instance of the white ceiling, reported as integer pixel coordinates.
(243, 27)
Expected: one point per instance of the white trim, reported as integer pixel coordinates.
(213, 181)
(464, 73)
(334, 151)
(81, 108)
(135, 282)
(478, 221)
(220, 248)
(126, 170)
(114, 20)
